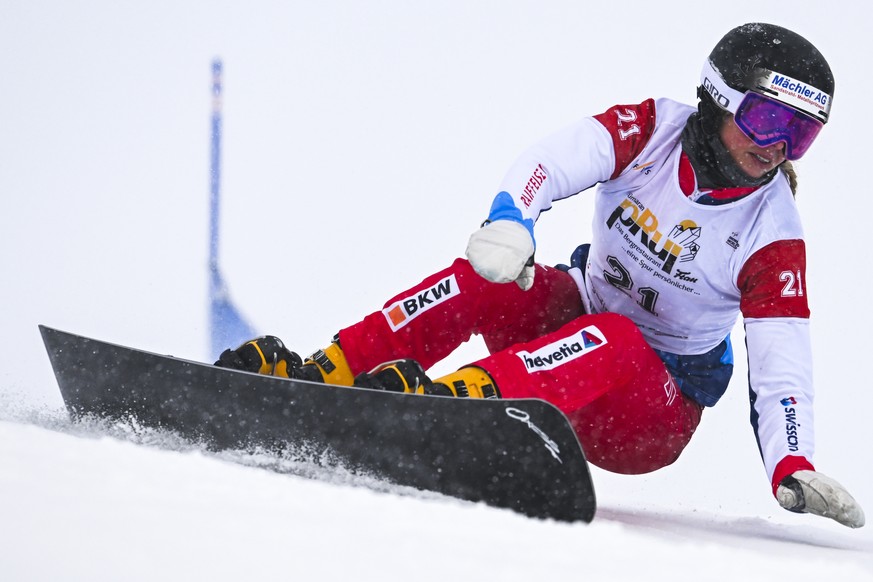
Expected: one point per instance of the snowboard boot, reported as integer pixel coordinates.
(396, 376)
(408, 376)
(469, 382)
(268, 355)
(328, 366)
(265, 355)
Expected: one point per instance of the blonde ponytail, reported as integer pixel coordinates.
(791, 174)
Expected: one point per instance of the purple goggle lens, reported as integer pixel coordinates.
(767, 121)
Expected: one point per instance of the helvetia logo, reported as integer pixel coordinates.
(562, 351)
(406, 309)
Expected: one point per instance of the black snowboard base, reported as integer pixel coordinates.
(520, 454)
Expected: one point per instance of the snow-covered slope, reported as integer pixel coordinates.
(363, 142)
(88, 507)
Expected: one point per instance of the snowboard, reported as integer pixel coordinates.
(520, 454)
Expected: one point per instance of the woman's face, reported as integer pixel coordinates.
(753, 159)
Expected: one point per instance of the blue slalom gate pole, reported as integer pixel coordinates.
(227, 327)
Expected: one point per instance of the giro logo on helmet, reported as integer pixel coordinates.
(723, 101)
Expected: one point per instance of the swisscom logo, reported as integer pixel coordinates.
(406, 309)
(563, 351)
(792, 427)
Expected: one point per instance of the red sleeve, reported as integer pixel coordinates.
(773, 281)
(630, 126)
(787, 466)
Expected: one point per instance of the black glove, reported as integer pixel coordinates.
(264, 355)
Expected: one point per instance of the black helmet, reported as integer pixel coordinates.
(772, 61)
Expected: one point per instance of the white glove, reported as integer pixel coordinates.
(812, 492)
(502, 251)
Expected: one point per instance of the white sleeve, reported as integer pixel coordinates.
(780, 381)
(560, 166)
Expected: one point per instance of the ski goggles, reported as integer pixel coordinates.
(767, 121)
(781, 109)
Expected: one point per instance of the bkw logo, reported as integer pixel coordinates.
(406, 309)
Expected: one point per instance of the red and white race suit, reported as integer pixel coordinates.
(618, 344)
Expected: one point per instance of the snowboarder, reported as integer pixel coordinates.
(695, 223)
